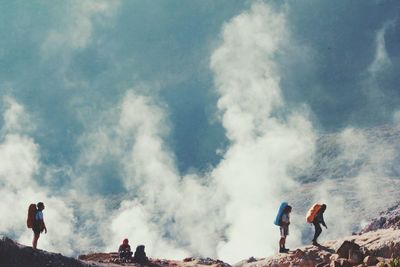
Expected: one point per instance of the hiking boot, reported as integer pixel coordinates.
(283, 250)
(315, 243)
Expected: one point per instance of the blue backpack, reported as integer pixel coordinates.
(280, 211)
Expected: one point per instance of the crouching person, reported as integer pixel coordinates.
(124, 251)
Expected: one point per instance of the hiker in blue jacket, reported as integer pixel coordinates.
(284, 228)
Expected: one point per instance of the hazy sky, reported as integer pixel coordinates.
(102, 97)
(67, 63)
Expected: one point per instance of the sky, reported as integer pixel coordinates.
(183, 124)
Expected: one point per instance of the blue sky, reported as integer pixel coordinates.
(169, 44)
(155, 42)
(106, 95)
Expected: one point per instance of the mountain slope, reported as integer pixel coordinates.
(13, 254)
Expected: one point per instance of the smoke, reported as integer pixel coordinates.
(254, 171)
(19, 170)
(125, 182)
(381, 63)
(172, 215)
(381, 60)
(358, 179)
(367, 159)
(77, 30)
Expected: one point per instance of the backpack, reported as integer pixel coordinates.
(31, 215)
(140, 256)
(312, 212)
(280, 211)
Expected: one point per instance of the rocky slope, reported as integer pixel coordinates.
(13, 254)
(385, 220)
(378, 244)
(367, 249)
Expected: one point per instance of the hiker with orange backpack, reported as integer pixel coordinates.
(315, 216)
(36, 222)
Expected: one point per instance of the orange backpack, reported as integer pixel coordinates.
(312, 212)
(31, 215)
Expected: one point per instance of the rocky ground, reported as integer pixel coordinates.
(378, 244)
(13, 254)
(389, 219)
(368, 249)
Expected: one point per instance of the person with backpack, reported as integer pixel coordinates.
(318, 219)
(284, 222)
(124, 250)
(38, 225)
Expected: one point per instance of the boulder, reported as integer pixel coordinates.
(370, 260)
(344, 250)
(299, 253)
(341, 263)
(355, 256)
(334, 257)
(251, 259)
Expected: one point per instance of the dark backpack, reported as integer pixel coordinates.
(32, 210)
(140, 256)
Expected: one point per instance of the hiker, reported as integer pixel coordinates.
(140, 256)
(318, 219)
(38, 225)
(284, 228)
(124, 250)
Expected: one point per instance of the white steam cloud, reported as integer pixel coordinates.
(381, 60)
(78, 28)
(254, 171)
(19, 167)
(226, 213)
(162, 210)
(379, 64)
(367, 187)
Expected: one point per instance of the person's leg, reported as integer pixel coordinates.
(282, 241)
(318, 231)
(35, 240)
(286, 233)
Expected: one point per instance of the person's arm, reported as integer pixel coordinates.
(285, 219)
(43, 227)
(41, 222)
(323, 221)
